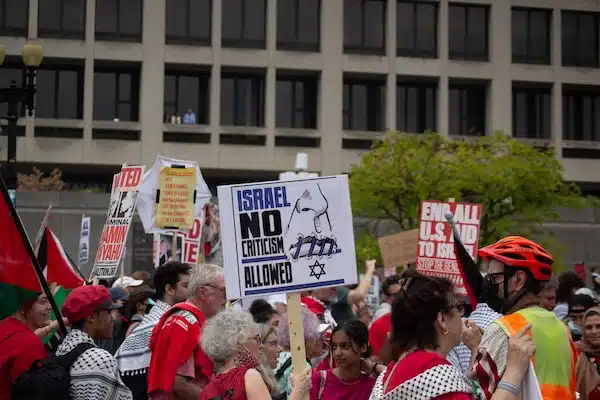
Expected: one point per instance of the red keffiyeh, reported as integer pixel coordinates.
(174, 340)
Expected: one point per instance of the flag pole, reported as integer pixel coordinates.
(36, 265)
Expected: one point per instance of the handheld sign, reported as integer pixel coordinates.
(435, 248)
(123, 200)
(282, 237)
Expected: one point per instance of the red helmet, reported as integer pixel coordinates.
(519, 252)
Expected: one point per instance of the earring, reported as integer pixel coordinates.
(447, 332)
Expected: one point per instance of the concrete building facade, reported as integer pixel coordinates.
(269, 78)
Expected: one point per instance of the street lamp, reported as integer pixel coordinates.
(32, 55)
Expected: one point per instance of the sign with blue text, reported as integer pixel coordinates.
(287, 236)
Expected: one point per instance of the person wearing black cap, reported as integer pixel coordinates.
(94, 374)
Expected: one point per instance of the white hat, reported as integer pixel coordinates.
(127, 281)
(279, 298)
(586, 291)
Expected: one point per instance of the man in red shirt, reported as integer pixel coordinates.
(19, 345)
(178, 366)
(381, 327)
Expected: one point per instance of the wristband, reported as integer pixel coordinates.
(509, 387)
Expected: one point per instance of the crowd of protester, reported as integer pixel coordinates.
(174, 336)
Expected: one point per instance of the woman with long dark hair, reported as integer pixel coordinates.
(426, 324)
(352, 378)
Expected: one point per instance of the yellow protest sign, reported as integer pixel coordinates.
(175, 207)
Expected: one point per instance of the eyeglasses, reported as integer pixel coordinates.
(272, 343)
(222, 290)
(460, 307)
(496, 278)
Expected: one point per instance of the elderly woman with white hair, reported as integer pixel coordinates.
(313, 343)
(232, 340)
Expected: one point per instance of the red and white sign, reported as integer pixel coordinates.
(123, 200)
(191, 243)
(435, 248)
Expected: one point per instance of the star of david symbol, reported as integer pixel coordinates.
(317, 266)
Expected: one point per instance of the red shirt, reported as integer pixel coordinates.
(19, 349)
(378, 332)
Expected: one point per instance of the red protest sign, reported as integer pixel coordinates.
(435, 248)
(191, 243)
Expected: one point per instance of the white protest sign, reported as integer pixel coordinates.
(120, 213)
(84, 240)
(283, 237)
(372, 298)
(191, 243)
(435, 249)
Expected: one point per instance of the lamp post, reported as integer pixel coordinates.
(13, 95)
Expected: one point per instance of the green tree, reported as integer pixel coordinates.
(519, 186)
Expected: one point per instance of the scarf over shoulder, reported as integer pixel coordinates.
(588, 378)
(174, 340)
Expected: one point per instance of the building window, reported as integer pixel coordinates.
(581, 113)
(189, 22)
(14, 17)
(119, 20)
(243, 98)
(187, 94)
(116, 94)
(244, 23)
(580, 39)
(416, 106)
(417, 28)
(468, 26)
(531, 107)
(59, 92)
(531, 35)
(61, 19)
(468, 106)
(363, 106)
(364, 26)
(11, 73)
(296, 101)
(298, 24)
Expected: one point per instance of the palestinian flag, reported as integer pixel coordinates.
(469, 271)
(19, 282)
(56, 264)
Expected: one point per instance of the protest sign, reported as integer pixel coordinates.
(165, 249)
(120, 213)
(84, 240)
(176, 190)
(435, 249)
(372, 298)
(172, 193)
(191, 251)
(399, 249)
(282, 237)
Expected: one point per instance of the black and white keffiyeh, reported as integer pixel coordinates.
(133, 357)
(435, 382)
(94, 375)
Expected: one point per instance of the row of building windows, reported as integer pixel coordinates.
(187, 94)
(298, 26)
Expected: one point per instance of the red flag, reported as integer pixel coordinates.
(56, 264)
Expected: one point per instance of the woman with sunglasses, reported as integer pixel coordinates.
(426, 325)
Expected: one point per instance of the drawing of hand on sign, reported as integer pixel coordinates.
(310, 225)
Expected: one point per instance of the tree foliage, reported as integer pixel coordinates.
(518, 185)
(37, 182)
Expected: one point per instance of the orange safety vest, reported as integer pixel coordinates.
(555, 357)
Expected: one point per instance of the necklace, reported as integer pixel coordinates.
(347, 383)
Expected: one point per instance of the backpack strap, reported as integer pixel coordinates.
(322, 384)
(283, 368)
(68, 359)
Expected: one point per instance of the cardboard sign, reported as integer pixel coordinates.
(435, 248)
(177, 189)
(84, 240)
(399, 249)
(287, 236)
(123, 200)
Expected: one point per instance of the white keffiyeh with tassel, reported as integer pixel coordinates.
(134, 354)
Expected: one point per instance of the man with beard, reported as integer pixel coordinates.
(517, 267)
(178, 366)
(171, 281)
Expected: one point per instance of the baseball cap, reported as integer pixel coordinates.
(118, 293)
(83, 301)
(586, 291)
(127, 281)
